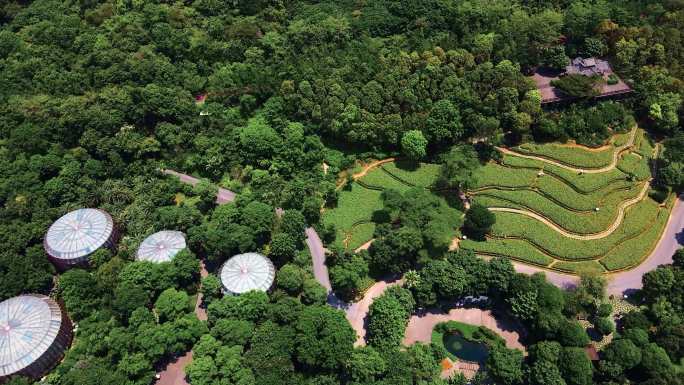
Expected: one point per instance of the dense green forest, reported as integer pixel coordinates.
(96, 97)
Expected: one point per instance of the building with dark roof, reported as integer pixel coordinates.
(581, 66)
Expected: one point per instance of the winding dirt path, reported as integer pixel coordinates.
(585, 237)
(612, 165)
(367, 168)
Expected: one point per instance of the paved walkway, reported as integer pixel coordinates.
(223, 196)
(420, 327)
(357, 312)
(317, 251)
(468, 369)
(174, 373)
(616, 156)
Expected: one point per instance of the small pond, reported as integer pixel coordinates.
(466, 350)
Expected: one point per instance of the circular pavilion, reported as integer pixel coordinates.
(161, 246)
(245, 272)
(34, 334)
(76, 235)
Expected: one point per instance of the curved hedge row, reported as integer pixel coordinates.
(536, 244)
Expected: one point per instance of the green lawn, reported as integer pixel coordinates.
(353, 206)
(622, 139)
(494, 174)
(494, 177)
(425, 175)
(579, 267)
(631, 252)
(360, 234)
(644, 146)
(633, 164)
(515, 249)
(379, 179)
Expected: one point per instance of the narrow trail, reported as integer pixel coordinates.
(369, 167)
(586, 237)
(612, 165)
(365, 170)
(223, 195)
(174, 373)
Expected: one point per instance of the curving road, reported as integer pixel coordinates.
(223, 195)
(619, 283)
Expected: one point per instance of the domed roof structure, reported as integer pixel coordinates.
(34, 333)
(245, 272)
(161, 246)
(77, 234)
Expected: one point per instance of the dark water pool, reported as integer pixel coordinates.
(464, 349)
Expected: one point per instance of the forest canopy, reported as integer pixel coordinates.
(273, 99)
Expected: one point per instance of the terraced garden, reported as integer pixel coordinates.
(357, 202)
(553, 212)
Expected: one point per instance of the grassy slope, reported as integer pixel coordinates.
(557, 195)
(624, 248)
(585, 222)
(573, 156)
(424, 176)
(354, 206)
(352, 216)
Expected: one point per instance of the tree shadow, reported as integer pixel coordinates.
(407, 164)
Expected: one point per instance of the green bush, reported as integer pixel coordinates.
(659, 194)
(612, 79)
(604, 310)
(604, 326)
(578, 86)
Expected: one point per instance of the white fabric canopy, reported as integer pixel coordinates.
(78, 234)
(29, 325)
(245, 272)
(161, 246)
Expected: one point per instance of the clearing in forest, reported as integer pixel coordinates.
(353, 213)
(570, 208)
